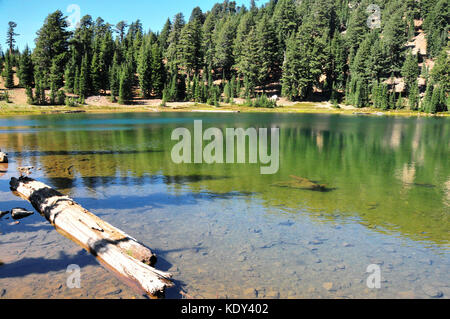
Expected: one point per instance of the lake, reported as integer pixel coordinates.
(225, 230)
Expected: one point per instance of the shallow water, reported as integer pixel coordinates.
(226, 230)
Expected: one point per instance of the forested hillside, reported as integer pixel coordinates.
(385, 54)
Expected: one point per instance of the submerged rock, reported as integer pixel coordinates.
(241, 259)
(251, 292)
(340, 267)
(328, 286)
(273, 294)
(3, 213)
(20, 213)
(432, 292)
(287, 223)
(303, 183)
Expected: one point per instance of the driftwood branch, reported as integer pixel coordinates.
(118, 251)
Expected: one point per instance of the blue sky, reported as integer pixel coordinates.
(30, 14)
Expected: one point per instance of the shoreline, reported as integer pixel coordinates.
(11, 110)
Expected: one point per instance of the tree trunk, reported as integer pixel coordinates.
(115, 249)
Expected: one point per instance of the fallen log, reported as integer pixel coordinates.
(130, 260)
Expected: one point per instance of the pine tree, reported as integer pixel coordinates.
(414, 97)
(51, 44)
(1, 59)
(286, 20)
(173, 50)
(334, 95)
(394, 38)
(441, 71)
(437, 26)
(53, 92)
(37, 93)
(426, 102)
(233, 87)
(410, 70)
(392, 100)
(181, 89)
(114, 77)
(25, 72)
(126, 84)
(375, 97)
(105, 60)
(158, 70)
(443, 100)
(223, 58)
(384, 98)
(238, 87)
(247, 66)
(76, 84)
(172, 92)
(69, 76)
(246, 23)
(357, 28)
(84, 86)
(164, 35)
(120, 29)
(145, 71)
(40, 98)
(227, 92)
(10, 36)
(338, 61)
(29, 93)
(363, 64)
(304, 62)
(359, 94)
(268, 53)
(189, 87)
(95, 74)
(435, 99)
(399, 103)
(61, 97)
(165, 98)
(8, 74)
(191, 46)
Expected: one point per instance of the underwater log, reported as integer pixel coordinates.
(303, 183)
(119, 252)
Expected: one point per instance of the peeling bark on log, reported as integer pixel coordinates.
(115, 249)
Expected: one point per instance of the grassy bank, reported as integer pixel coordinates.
(8, 109)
